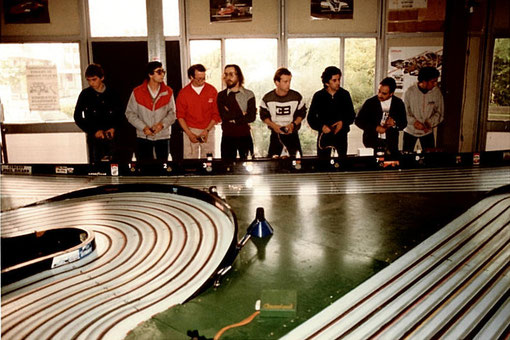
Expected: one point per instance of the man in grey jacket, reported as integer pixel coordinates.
(151, 110)
(425, 110)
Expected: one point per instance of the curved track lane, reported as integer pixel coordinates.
(154, 250)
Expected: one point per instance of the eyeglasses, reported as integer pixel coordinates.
(160, 71)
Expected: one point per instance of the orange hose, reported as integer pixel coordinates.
(242, 323)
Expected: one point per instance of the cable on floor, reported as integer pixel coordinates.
(242, 323)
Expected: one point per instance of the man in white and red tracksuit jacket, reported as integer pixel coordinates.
(197, 113)
(151, 110)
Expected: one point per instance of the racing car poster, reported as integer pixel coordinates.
(230, 10)
(405, 63)
(332, 9)
(26, 12)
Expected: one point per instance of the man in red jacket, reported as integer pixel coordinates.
(197, 113)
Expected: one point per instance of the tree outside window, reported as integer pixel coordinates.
(499, 106)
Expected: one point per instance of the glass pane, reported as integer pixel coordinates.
(307, 60)
(499, 105)
(171, 17)
(208, 53)
(39, 82)
(497, 141)
(257, 58)
(359, 69)
(118, 18)
(359, 78)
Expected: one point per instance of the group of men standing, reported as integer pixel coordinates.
(384, 115)
(152, 110)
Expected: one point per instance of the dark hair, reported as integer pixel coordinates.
(193, 68)
(329, 72)
(390, 82)
(428, 73)
(282, 71)
(149, 69)
(240, 76)
(94, 70)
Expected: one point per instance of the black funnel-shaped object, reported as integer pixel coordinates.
(260, 227)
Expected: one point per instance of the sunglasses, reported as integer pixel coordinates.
(160, 71)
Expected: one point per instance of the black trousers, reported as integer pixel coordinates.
(278, 141)
(230, 145)
(145, 149)
(99, 148)
(427, 142)
(338, 141)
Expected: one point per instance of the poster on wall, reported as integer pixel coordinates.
(42, 88)
(332, 9)
(405, 63)
(26, 12)
(407, 4)
(230, 10)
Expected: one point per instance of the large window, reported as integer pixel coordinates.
(257, 58)
(171, 17)
(308, 57)
(208, 53)
(39, 81)
(499, 105)
(359, 79)
(359, 69)
(499, 101)
(118, 18)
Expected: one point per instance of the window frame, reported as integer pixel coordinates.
(486, 125)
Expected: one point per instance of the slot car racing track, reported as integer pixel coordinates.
(156, 247)
(339, 236)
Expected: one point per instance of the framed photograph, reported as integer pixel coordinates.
(26, 12)
(332, 9)
(230, 10)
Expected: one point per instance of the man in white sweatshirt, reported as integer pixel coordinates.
(425, 110)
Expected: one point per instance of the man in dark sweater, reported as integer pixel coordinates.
(98, 114)
(331, 114)
(381, 118)
(237, 109)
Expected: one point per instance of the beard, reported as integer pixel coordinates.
(231, 85)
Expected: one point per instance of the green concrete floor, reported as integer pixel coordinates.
(323, 247)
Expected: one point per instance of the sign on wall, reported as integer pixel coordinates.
(332, 9)
(407, 4)
(42, 88)
(406, 62)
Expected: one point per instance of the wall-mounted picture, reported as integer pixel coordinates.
(405, 63)
(332, 9)
(230, 10)
(26, 12)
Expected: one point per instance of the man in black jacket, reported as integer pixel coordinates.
(98, 114)
(381, 118)
(331, 113)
